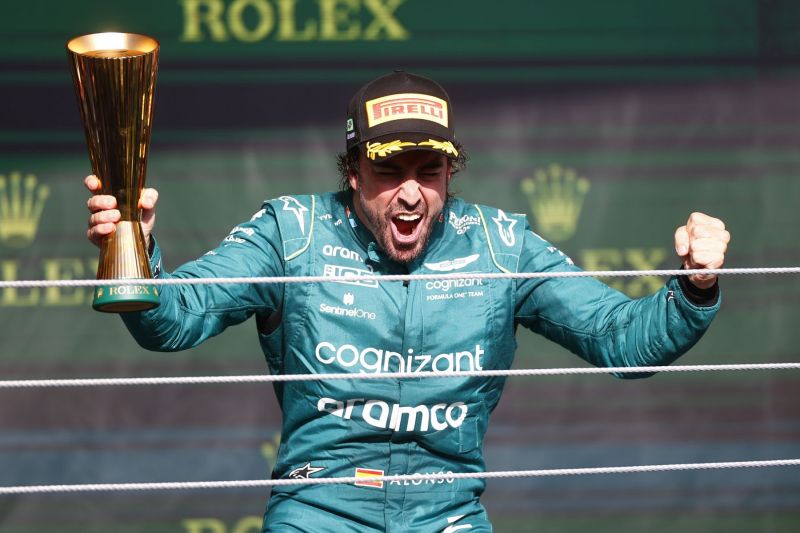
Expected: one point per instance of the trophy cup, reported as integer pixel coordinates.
(115, 77)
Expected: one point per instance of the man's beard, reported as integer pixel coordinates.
(380, 224)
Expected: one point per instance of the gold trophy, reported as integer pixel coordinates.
(115, 78)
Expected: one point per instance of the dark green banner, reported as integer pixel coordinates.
(235, 41)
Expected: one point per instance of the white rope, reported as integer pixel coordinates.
(40, 489)
(20, 284)
(202, 380)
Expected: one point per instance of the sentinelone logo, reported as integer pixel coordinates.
(352, 312)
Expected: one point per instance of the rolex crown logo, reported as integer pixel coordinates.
(21, 206)
(556, 195)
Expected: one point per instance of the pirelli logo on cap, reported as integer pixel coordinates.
(365, 478)
(406, 106)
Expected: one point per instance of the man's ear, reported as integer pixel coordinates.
(352, 175)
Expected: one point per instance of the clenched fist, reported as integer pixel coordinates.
(105, 215)
(702, 243)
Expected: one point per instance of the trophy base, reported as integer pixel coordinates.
(125, 298)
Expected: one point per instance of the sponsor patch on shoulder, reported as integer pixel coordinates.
(505, 227)
(292, 204)
(462, 224)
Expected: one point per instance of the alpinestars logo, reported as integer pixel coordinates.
(505, 226)
(292, 204)
(305, 472)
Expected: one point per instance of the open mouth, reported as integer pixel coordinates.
(406, 227)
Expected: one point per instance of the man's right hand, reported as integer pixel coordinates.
(104, 213)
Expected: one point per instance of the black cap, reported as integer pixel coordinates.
(400, 112)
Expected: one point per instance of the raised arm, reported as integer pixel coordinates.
(190, 314)
(605, 327)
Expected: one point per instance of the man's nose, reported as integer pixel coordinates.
(409, 192)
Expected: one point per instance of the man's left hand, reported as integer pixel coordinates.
(702, 243)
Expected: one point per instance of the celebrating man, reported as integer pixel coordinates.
(394, 215)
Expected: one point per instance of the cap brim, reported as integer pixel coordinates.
(388, 146)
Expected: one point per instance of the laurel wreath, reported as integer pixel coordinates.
(382, 149)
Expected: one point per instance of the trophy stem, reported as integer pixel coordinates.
(122, 256)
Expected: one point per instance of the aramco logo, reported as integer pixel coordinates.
(556, 196)
(21, 204)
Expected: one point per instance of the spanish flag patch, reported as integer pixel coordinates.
(365, 475)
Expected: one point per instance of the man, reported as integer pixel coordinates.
(395, 216)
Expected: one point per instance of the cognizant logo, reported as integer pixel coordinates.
(445, 285)
(394, 416)
(377, 360)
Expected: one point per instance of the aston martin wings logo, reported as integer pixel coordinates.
(452, 264)
(505, 226)
(291, 203)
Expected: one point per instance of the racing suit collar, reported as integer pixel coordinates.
(362, 234)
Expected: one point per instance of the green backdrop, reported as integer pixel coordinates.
(606, 122)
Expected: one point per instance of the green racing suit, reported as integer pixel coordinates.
(433, 425)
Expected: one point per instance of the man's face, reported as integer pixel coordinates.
(399, 200)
